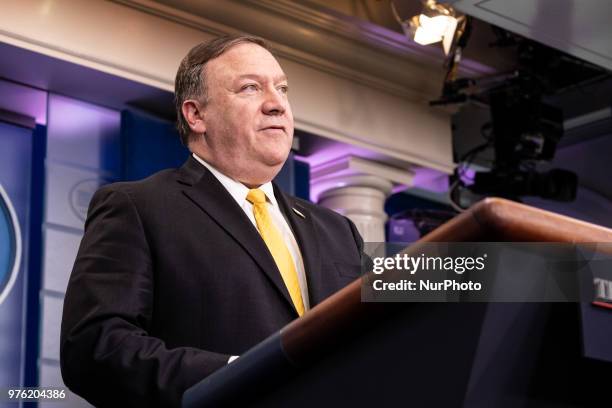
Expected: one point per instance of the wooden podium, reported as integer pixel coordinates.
(347, 353)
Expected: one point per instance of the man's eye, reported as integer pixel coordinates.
(283, 89)
(249, 88)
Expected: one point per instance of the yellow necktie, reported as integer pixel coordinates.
(274, 240)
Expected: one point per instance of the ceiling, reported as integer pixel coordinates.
(379, 12)
(578, 27)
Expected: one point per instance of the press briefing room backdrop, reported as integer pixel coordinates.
(73, 117)
(55, 151)
(49, 172)
(86, 100)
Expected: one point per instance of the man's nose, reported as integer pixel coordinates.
(274, 103)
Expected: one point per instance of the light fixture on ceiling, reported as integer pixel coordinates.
(436, 22)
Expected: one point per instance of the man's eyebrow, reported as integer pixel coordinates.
(277, 79)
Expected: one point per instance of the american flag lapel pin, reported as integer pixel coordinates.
(295, 210)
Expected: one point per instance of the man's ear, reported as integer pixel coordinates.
(193, 112)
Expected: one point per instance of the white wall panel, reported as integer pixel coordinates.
(68, 192)
(58, 256)
(51, 322)
(83, 134)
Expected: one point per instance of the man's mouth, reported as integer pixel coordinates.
(274, 127)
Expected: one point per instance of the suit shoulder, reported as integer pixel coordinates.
(155, 183)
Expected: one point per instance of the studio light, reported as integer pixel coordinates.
(430, 30)
(437, 22)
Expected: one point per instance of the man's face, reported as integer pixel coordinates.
(247, 118)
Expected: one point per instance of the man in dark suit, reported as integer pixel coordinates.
(181, 272)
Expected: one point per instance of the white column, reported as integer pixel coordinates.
(357, 188)
(362, 200)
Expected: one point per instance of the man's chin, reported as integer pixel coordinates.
(275, 159)
(264, 173)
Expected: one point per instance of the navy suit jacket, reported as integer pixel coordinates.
(172, 278)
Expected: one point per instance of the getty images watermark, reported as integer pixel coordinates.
(485, 272)
(413, 264)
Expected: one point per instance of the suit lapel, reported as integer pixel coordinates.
(203, 189)
(300, 220)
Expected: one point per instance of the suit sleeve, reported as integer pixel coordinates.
(356, 235)
(366, 261)
(107, 354)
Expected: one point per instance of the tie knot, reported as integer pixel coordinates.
(256, 196)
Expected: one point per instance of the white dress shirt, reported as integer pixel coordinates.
(239, 192)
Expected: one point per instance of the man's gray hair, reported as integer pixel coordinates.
(190, 82)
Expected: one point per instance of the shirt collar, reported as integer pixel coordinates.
(236, 189)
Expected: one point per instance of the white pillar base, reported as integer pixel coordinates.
(361, 198)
